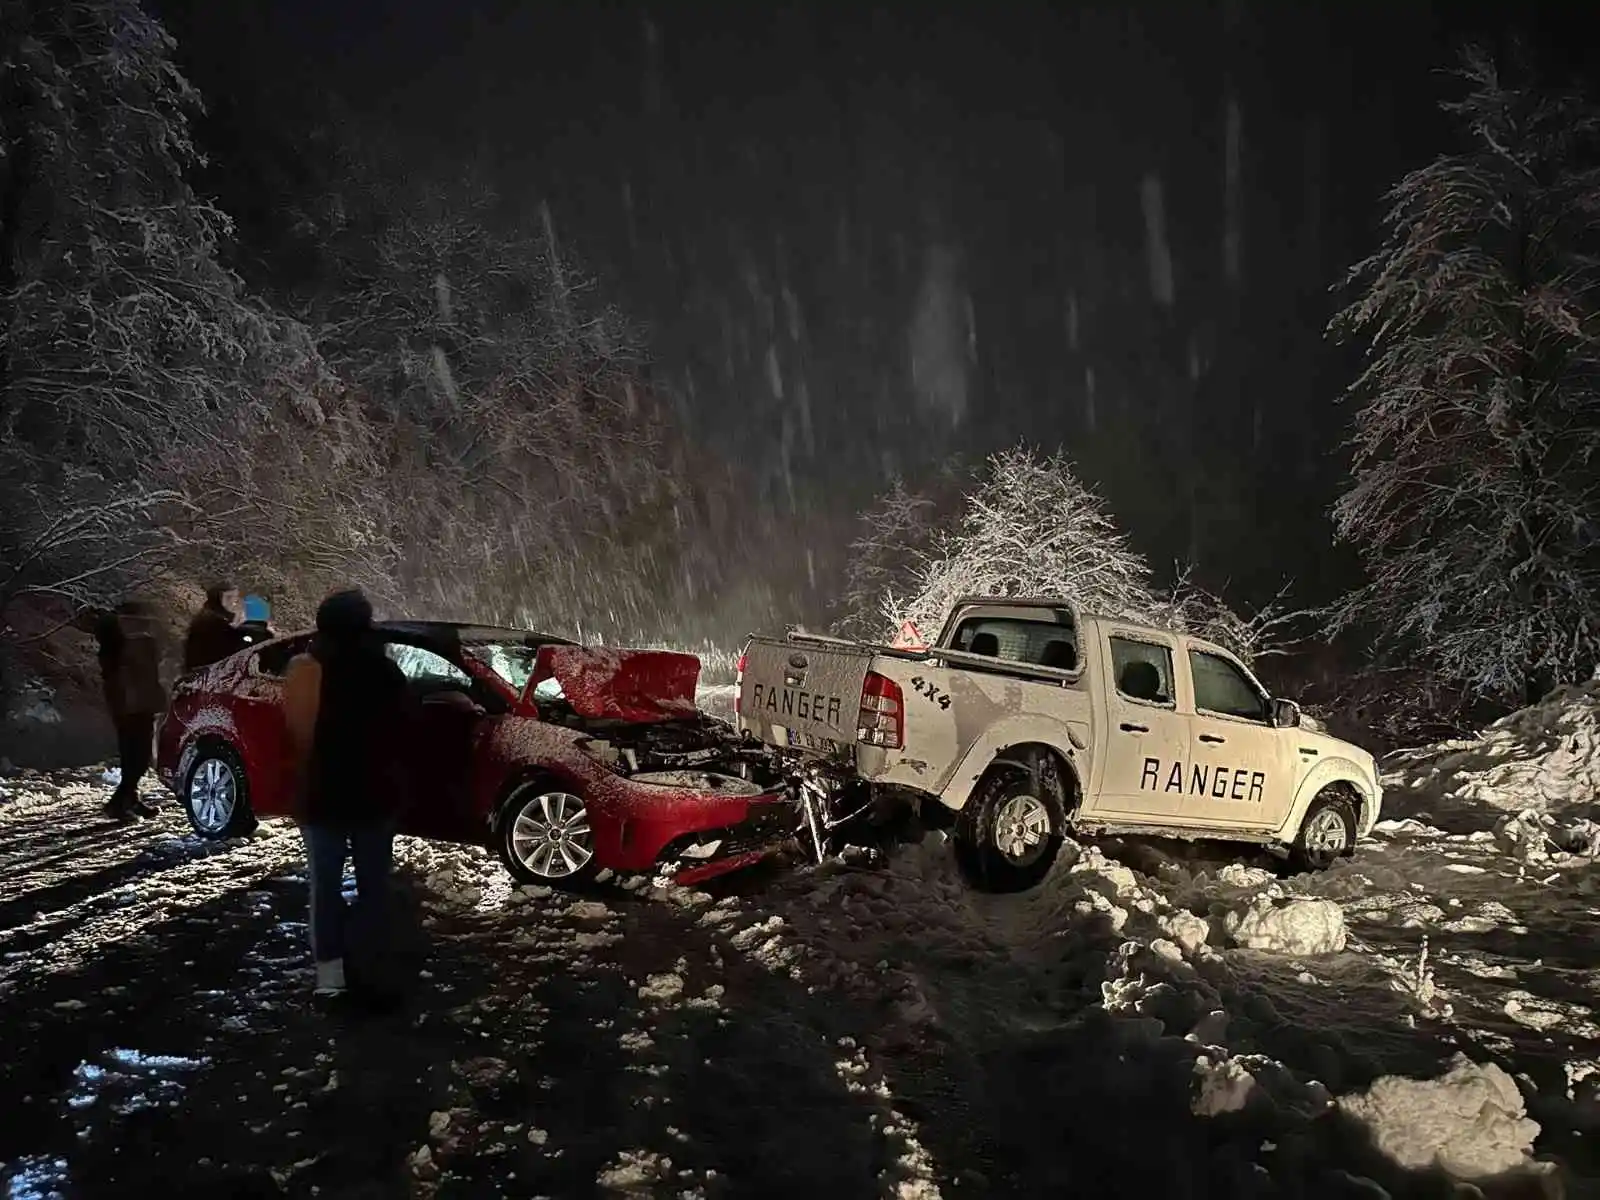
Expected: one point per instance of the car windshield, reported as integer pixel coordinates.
(512, 661)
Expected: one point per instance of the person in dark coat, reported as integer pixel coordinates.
(346, 710)
(130, 673)
(213, 636)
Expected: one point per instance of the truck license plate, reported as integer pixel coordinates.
(805, 741)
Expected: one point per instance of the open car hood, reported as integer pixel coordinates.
(620, 685)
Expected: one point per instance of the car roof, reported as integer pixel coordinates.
(466, 632)
(1060, 602)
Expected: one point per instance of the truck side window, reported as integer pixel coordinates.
(1046, 643)
(1220, 687)
(1143, 670)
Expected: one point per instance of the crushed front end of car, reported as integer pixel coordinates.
(695, 801)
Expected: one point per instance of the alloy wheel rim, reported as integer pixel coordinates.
(1326, 836)
(551, 835)
(1021, 828)
(212, 795)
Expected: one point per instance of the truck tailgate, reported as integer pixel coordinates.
(802, 694)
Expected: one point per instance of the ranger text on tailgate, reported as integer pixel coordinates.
(1027, 717)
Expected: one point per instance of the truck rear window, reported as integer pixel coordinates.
(1016, 639)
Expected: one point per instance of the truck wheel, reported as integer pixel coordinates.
(1327, 834)
(1009, 832)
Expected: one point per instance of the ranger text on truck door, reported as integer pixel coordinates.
(1028, 717)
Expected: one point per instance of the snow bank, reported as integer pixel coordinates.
(1531, 836)
(1296, 927)
(1470, 1121)
(1544, 758)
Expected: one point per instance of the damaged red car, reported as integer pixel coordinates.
(569, 760)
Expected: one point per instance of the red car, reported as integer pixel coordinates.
(567, 759)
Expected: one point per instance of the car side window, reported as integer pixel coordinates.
(1142, 670)
(424, 667)
(1220, 687)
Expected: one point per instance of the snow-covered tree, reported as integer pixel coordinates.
(1026, 526)
(1475, 501)
(1030, 527)
(126, 348)
(497, 423)
(895, 542)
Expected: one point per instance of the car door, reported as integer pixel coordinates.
(438, 745)
(1146, 748)
(1241, 771)
(257, 710)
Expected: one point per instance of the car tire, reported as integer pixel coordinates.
(216, 793)
(993, 837)
(545, 836)
(1327, 834)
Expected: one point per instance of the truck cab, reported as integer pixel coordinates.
(1027, 718)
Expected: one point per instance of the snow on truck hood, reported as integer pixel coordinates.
(621, 685)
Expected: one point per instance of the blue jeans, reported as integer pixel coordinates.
(371, 848)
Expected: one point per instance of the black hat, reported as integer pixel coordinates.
(345, 614)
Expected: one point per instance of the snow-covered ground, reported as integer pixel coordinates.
(1157, 1019)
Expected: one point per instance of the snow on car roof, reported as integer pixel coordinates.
(466, 632)
(1061, 602)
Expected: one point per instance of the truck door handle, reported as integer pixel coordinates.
(1212, 738)
(1128, 727)
(1308, 750)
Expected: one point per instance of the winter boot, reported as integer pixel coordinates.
(330, 980)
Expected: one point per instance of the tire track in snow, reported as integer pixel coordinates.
(67, 938)
(662, 1066)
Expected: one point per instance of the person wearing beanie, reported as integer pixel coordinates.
(130, 674)
(212, 634)
(345, 707)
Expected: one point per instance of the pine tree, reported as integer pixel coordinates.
(126, 348)
(1475, 498)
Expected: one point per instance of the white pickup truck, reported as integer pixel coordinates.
(1028, 717)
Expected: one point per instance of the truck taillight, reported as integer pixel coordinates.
(738, 680)
(883, 713)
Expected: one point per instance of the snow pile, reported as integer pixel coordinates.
(634, 1172)
(1531, 836)
(1237, 875)
(1132, 975)
(1295, 927)
(130, 1081)
(1469, 1122)
(1543, 758)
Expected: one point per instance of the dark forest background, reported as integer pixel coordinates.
(779, 192)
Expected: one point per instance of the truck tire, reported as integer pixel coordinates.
(1009, 832)
(1328, 832)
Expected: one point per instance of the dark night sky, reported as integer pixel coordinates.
(788, 195)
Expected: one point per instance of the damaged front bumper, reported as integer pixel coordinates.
(705, 821)
(704, 854)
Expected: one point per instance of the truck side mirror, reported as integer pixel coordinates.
(1285, 714)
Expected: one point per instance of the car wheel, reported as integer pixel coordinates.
(216, 793)
(1327, 834)
(1009, 832)
(546, 836)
